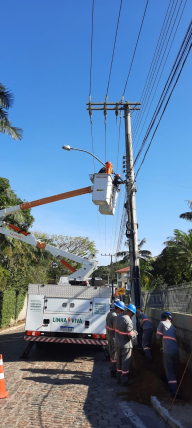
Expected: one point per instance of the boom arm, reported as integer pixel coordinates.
(88, 265)
(48, 200)
(84, 272)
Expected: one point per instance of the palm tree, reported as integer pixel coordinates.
(187, 215)
(179, 255)
(6, 101)
(145, 257)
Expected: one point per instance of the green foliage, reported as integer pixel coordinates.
(21, 264)
(80, 246)
(20, 298)
(187, 215)
(11, 304)
(105, 271)
(8, 198)
(6, 101)
(7, 306)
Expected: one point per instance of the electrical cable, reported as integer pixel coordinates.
(119, 140)
(155, 74)
(135, 49)
(117, 216)
(190, 35)
(163, 65)
(166, 89)
(91, 123)
(91, 49)
(99, 229)
(151, 66)
(119, 198)
(113, 49)
(105, 234)
(105, 140)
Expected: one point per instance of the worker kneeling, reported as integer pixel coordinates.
(124, 334)
(147, 333)
(167, 333)
(110, 334)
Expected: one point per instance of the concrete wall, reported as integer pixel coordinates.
(183, 325)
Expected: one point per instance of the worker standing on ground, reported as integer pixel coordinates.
(110, 334)
(124, 334)
(147, 333)
(166, 331)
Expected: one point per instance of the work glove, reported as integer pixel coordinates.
(134, 335)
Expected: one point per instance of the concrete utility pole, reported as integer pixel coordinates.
(131, 230)
(131, 225)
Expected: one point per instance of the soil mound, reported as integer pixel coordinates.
(149, 379)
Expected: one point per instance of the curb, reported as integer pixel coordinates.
(5, 329)
(165, 414)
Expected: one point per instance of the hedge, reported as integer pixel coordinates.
(11, 303)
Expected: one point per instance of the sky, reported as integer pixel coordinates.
(45, 53)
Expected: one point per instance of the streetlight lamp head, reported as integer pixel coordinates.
(66, 147)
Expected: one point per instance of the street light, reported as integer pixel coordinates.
(67, 147)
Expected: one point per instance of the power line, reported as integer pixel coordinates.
(143, 95)
(113, 49)
(105, 140)
(135, 49)
(90, 115)
(118, 140)
(167, 87)
(99, 228)
(159, 59)
(187, 43)
(91, 123)
(91, 49)
(117, 216)
(118, 143)
(161, 70)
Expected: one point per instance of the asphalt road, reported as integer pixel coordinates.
(64, 386)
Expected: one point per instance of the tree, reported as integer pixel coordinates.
(22, 219)
(20, 263)
(187, 215)
(145, 257)
(179, 255)
(80, 246)
(6, 101)
(105, 271)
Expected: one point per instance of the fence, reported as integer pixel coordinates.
(175, 299)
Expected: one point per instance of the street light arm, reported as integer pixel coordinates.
(81, 150)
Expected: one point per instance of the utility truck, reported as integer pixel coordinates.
(71, 311)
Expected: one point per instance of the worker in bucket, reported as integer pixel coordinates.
(110, 334)
(124, 334)
(167, 333)
(147, 333)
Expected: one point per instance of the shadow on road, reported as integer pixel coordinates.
(83, 376)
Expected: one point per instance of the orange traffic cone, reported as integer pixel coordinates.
(3, 393)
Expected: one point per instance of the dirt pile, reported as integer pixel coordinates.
(150, 379)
